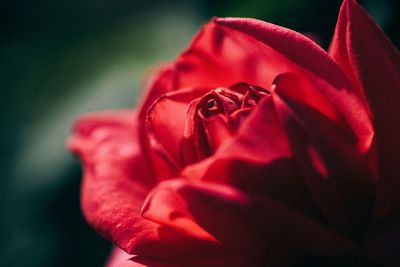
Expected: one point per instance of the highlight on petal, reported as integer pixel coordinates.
(373, 64)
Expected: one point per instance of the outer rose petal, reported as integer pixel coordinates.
(220, 57)
(373, 63)
(258, 230)
(301, 55)
(115, 184)
(337, 174)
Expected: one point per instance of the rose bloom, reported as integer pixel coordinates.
(254, 148)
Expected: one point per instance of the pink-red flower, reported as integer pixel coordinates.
(254, 148)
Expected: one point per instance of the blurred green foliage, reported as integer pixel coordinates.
(63, 58)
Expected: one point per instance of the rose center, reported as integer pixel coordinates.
(218, 114)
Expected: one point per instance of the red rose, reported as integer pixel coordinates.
(254, 148)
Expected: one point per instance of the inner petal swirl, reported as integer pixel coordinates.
(215, 117)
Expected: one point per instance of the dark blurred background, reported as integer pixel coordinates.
(63, 58)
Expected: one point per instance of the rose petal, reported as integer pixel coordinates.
(115, 185)
(258, 160)
(164, 207)
(159, 83)
(336, 173)
(218, 130)
(195, 146)
(220, 57)
(101, 134)
(304, 92)
(373, 64)
(166, 124)
(301, 55)
(115, 182)
(257, 229)
(251, 141)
